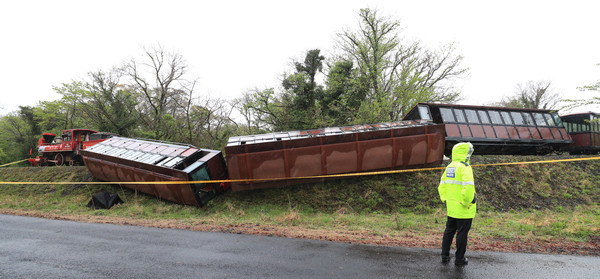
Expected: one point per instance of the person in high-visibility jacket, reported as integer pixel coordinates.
(457, 190)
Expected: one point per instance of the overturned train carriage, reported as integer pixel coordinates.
(497, 130)
(121, 159)
(337, 150)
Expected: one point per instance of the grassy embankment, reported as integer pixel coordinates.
(544, 205)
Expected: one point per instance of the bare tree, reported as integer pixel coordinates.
(533, 94)
(159, 79)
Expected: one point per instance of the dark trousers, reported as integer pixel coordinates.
(453, 225)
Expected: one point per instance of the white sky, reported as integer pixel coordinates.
(233, 46)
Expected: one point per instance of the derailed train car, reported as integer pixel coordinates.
(283, 155)
(584, 129)
(120, 159)
(497, 130)
(283, 158)
(335, 150)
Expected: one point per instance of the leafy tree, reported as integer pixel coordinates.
(533, 94)
(303, 81)
(292, 109)
(593, 87)
(4, 159)
(265, 110)
(590, 101)
(111, 106)
(303, 91)
(209, 123)
(395, 74)
(343, 95)
(66, 113)
(18, 134)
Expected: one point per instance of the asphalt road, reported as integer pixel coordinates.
(40, 248)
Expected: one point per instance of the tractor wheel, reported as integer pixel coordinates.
(60, 160)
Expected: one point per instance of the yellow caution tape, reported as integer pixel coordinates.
(291, 178)
(13, 163)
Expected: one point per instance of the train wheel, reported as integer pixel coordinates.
(60, 160)
(71, 163)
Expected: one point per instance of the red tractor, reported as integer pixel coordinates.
(65, 149)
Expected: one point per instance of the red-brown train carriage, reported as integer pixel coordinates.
(584, 129)
(120, 159)
(497, 130)
(336, 150)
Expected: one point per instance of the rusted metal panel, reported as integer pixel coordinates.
(334, 150)
(133, 160)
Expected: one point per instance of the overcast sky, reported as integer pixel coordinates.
(233, 46)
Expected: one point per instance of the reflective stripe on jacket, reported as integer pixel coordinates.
(457, 186)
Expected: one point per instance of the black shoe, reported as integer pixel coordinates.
(445, 259)
(461, 262)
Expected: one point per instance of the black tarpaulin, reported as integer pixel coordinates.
(104, 200)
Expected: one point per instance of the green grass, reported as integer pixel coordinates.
(539, 202)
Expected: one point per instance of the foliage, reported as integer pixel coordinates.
(111, 106)
(19, 134)
(395, 74)
(587, 101)
(344, 94)
(376, 77)
(151, 98)
(514, 203)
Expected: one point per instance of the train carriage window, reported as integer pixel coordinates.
(527, 119)
(549, 119)
(472, 116)
(539, 119)
(483, 116)
(557, 119)
(447, 115)
(506, 118)
(517, 117)
(495, 116)
(424, 111)
(460, 117)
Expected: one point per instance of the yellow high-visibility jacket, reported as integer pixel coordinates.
(457, 186)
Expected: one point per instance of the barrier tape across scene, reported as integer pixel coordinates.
(285, 178)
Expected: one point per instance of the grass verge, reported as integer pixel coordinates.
(525, 208)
